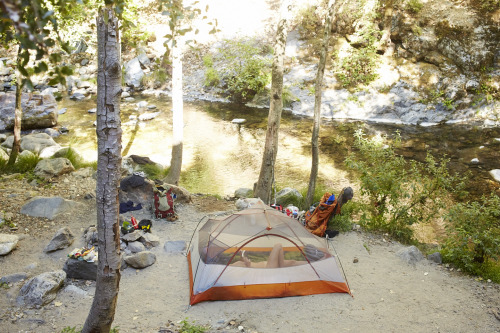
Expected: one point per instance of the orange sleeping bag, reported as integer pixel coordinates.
(317, 221)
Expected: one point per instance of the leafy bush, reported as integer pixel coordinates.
(400, 192)
(344, 221)
(187, 327)
(154, 171)
(414, 6)
(474, 235)
(247, 71)
(211, 76)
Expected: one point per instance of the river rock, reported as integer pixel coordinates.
(62, 239)
(48, 168)
(80, 269)
(133, 73)
(48, 207)
(141, 260)
(41, 289)
(411, 255)
(7, 243)
(495, 173)
(288, 196)
(39, 111)
(243, 193)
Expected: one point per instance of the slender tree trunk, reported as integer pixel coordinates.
(18, 114)
(385, 42)
(317, 104)
(109, 133)
(264, 184)
(178, 109)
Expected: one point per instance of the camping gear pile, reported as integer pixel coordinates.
(221, 246)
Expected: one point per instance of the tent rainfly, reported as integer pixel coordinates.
(259, 252)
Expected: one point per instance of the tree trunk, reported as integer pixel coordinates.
(178, 108)
(385, 42)
(18, 114)
(265, 182)
(317, 104)
(109, 133)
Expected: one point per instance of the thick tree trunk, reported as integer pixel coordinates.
(265, 182)
(178, 109)
(109, 133)
(18, 115)
(317, 104)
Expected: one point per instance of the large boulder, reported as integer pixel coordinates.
(243, 193)
(133, 73)
(288, 196)
(7, 243)
(80, 269)
(141, 260)
(34, 143)
(39, 111)
(411, 255)
(53, 167)
(136, 189)
(61, 240)
(48, 207)
(41, 289)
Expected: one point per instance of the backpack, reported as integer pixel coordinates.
(164, 203)
(316, 220)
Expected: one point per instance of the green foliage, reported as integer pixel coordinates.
(473, 231)
(212, 78)
(309, 26)
(23, 164)
(400, 192)
(187, 327)
(247, 71)
(76, 160)
(488, 6)
(73, 329)
(344, 221)
(155, 79)
(287, 96)
(154, 171)
(414, 6)
(359, 66)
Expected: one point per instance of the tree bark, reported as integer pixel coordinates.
(386, 44)
(266, 177)
(317, 104)
(109, 133)
(178, 108)
(18, 114)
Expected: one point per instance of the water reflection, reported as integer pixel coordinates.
(220, 156)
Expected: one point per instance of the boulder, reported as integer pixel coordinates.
(32, 142)
(7, 243)
(39, 111)
(142, 194)
(14, 278)
(288, 196)
(41, 289)
(136, 247)
(53, 167)
(48, 207)
(149, 240)
(182, 195)
(411, 255)
(243, 193)
(62, 239)
(133, 73)
(141, 260)
(132, 236)
(90, 236)
(49, 152)
(4, 155)
(435, 257)
(80, 269)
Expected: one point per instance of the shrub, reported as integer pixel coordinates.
(400, 192)
(344, 221)
(414, 6)
(473, 230)
(211, 76)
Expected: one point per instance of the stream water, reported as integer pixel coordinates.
(221, 156)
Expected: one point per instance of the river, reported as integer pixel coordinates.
(221, 156)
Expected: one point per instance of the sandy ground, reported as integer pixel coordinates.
(388, 294)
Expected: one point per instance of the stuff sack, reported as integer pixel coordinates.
(317, 220)
(164, 203)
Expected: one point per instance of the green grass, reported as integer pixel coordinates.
(154, 171)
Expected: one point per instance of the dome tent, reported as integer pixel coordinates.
(259, 253)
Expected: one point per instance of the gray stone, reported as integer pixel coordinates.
(39, 111)
(143, 59)
(411, 255)
(61, 240)
(246, 203)
(175, 247)
(26, 154)
(133, 73)
(13, 278)
(32, 142)
(141, 260)
(182, 195)
(243, 193)
(48, 168)
(288, 196)
(75, 291)
(48, 207)
(41, 289)
(3, 155)
(132, 236)
(91, 236)
(149, 240)
(136, 247)
(83, 172)
(77, 96)
(7, 243)
(49, 152)
(435, 257)
(80, 269)
(148, 116)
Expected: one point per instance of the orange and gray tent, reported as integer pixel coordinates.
(222, 247)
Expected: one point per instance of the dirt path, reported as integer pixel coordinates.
(389, 295)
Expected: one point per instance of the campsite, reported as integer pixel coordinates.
(249, 166)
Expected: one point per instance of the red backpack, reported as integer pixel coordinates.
(164, 203)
